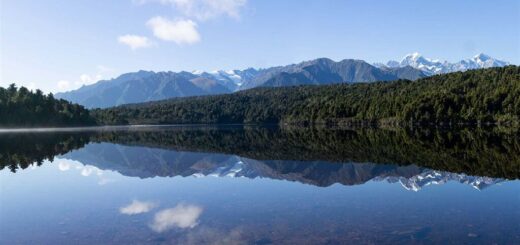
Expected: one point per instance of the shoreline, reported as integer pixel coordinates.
(279, 125)
(111, 127)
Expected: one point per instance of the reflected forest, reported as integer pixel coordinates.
(491, 152)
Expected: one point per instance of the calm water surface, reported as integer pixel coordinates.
(251, 185)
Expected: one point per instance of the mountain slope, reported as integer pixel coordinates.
(475, 96)
(146, 86)
(326, 71)
(146, 162)
(143, 86)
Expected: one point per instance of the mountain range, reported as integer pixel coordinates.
(143, 86)
(435, 66)
(144, 162)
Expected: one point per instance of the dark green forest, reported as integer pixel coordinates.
(20, 151)
(20, 107)
(473, 97)
(475, 151)
(492, 152)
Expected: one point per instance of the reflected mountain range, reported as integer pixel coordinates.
(321, 157)
(146, 162)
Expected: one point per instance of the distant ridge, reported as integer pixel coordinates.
(481, 96)
(144, 86)
(435, 66)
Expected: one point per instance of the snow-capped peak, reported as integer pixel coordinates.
(417, 57)
(416, 60)
(485, 61)
(414, 55)
(229, 78)
(481, 57)
(435, 66)
(434, 177)
(411, 58)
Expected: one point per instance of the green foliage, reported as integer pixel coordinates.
(477, 96)
(474, 151)
(19, 151)
(21, 107)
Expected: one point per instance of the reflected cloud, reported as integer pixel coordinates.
(180, 216)
(66, 164)
(89, 170)
(63, 166)
(85, 170)
(137, 207)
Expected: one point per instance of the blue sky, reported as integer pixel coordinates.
(58, 45)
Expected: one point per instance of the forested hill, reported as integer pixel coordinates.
(475, 96)
(20, 107)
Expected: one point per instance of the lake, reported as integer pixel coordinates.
(260, 185)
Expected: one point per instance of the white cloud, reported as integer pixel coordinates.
(204, 9)
(134, 41)
(63, 166)
(86, 171)
(207, 9)
(86, 79)
(137, 207)
(63, 85)
(181, 216)
(178, 31)
(66, 164)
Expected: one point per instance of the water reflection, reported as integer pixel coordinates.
(83, 169)
(137, 207)
(181, 216)
(199, 185)
(318, 173)
(433, 177)
(21, 150)
(478, 152)
(321, 157)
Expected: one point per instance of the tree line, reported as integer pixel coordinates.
(21, 107)
(493, 152)
(472, 97)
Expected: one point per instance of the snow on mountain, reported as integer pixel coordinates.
(226, 78)
(484, 61)
(435, 66)
(416, 60)
(433, 177)
(232, 79)
(227, 75)
(143, 86)
(428, 177)
(228, 171)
